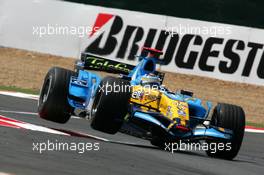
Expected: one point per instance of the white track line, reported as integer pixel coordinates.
(20, 95)
(29, 113)
(33, 127)
(3, 173)
(251, 130)
(254, 130)
(19, 112)
(35, 97)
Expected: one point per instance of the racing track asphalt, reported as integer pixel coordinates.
(17, 155)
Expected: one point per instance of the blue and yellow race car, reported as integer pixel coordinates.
(138, 96)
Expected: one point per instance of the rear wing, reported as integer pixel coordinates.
(92, 62)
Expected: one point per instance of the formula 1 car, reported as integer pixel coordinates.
(138, 96)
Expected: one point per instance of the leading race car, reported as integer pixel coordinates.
(138, 96)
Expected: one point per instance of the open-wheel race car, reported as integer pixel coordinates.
(138, 96)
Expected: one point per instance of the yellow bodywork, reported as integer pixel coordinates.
(151, 99)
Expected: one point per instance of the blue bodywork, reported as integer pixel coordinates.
(82, 90)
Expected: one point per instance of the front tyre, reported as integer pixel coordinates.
(110, 105)
(230, 117)
(53, 100)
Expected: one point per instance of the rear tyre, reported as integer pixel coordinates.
(53, 102)
(230, 117)
(110, 105)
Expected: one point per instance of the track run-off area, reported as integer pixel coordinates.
(24, 140)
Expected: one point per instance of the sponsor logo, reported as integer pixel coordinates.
(169, 112)
(97, 63)
(138, 95)
(208, 54)
(151, 97)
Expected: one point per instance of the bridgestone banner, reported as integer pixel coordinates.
(195, 47)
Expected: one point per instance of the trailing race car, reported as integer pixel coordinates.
(138, 96)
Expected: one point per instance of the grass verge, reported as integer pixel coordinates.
(17, 89)
(257, 125)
